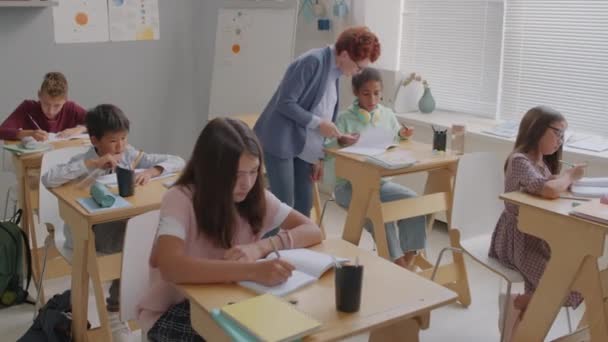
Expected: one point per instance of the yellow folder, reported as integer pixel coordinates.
(270, 319)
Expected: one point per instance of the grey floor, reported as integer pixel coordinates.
(478, 322)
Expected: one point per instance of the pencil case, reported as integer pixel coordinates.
(102, 196)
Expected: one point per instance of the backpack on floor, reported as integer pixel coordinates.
(53, 322)
(14, 245)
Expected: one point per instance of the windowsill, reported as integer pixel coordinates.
(476, 125)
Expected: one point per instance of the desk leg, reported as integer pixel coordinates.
(93, 268)
(575, 246)
(443, 181)
(80, 289)
(406, 330)
(374, 212)
(590, 285)
(30, 229)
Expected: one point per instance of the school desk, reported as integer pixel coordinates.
(85, 264)
(576, 244)
(365, 179)
(394, 302)
(27, 170)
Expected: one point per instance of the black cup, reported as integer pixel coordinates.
(349, 280)
(439, 140)
(126, 181)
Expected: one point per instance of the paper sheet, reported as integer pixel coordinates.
(81, 21)
(134, 20)
(372, 141)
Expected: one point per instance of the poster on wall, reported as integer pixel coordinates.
(81, 21)
(134, 20)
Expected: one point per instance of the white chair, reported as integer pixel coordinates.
(48, 212)
(139, 238)
(475, 210)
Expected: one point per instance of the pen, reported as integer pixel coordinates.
(274, 248)
(34, 122)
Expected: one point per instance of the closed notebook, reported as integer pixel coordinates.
(592, 211)
(270, 319)
(91, 206)
(310, 266)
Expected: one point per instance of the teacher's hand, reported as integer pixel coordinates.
(328, 129)
(317, 171)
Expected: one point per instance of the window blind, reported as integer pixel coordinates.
(456, 47)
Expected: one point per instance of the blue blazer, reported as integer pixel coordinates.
(282, 126)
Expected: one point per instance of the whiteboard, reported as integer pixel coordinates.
(253, 47)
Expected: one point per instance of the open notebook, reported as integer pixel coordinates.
(310, 266)
(55, 137)
(372, 141)
(110, 180)
(590, 187)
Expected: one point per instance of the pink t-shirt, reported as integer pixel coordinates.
(177, 219)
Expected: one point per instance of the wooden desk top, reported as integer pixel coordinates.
(390, 293)
(421, 151)
(559, 206)
(146, 198)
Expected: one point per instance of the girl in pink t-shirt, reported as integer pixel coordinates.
(210, 229)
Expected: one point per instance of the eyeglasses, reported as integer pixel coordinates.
(560, 133)
(357, 65)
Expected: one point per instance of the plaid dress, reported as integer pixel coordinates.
(175, 326)
(513, 248)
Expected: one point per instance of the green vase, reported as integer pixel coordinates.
(427, 102)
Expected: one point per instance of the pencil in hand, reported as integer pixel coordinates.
(137, 159)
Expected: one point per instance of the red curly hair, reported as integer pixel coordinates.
(360, 43)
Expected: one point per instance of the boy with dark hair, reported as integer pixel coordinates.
(108, 128)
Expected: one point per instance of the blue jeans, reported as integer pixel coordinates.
(412, 231)
(290, 180)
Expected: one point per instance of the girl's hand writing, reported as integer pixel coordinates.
(272, 272)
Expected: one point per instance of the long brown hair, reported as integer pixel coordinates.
(211, 174)
(532, 127)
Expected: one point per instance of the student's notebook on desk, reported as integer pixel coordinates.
(372, 141)
(270, 319)
(55, 137)
(592, 211)
(19, 149)
(590, 187)
(89, 204)
(110, 180)
(393, 159)
(310, 266)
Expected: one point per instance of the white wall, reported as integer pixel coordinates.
(384, 18)
(151, 81)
